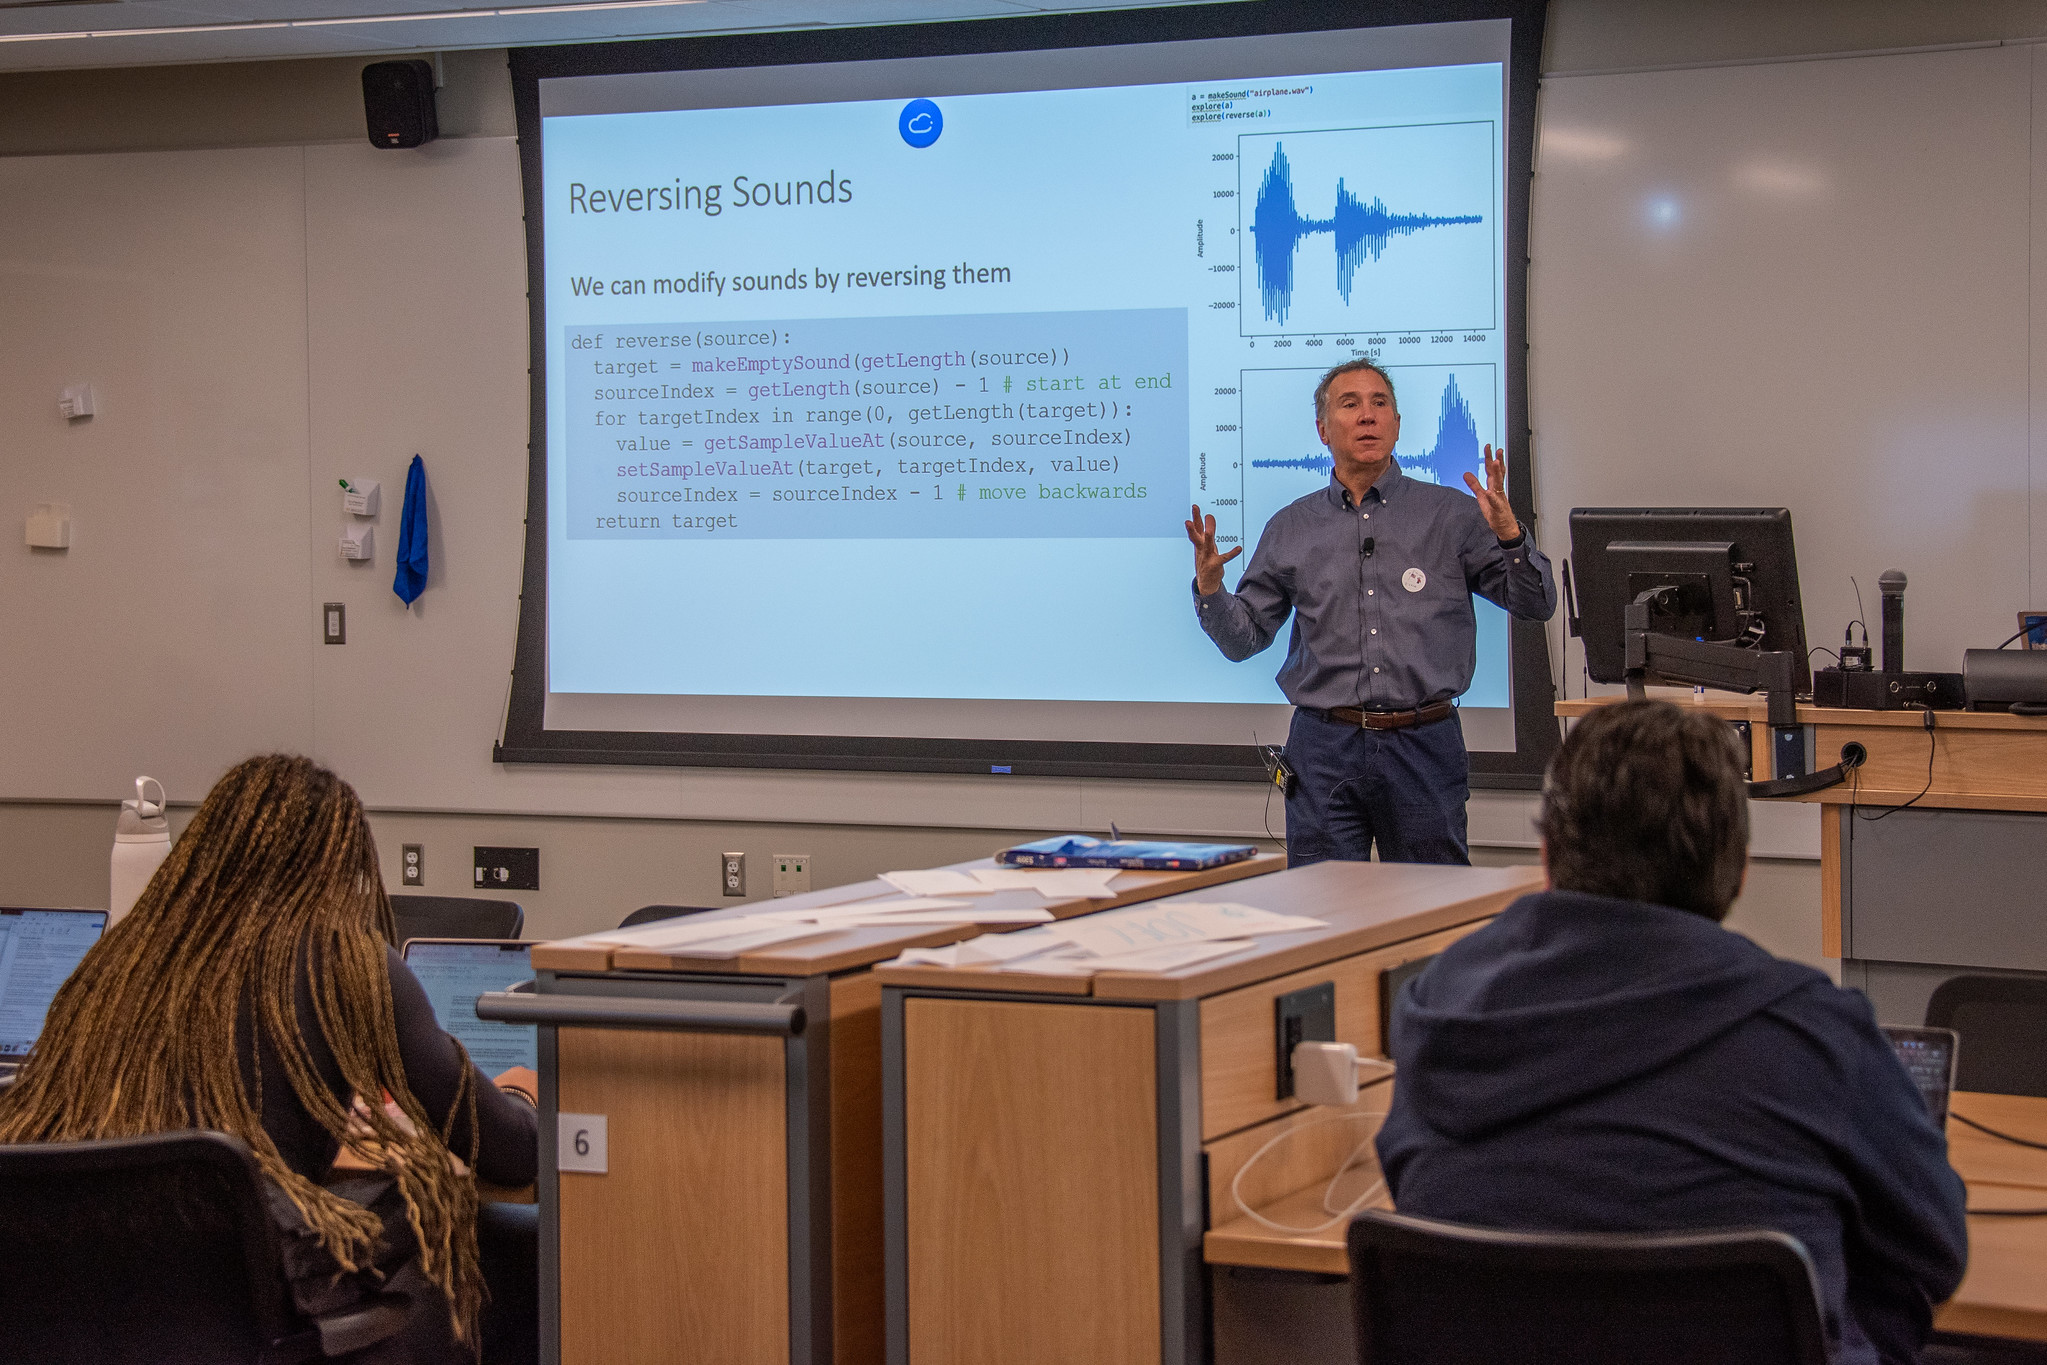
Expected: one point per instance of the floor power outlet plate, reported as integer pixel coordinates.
(1307, 1015)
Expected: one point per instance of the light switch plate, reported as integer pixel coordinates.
(334, 623)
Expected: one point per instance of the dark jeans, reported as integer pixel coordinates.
(1401, 789)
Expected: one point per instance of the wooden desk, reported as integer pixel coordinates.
(2004, 1293)
(1046, 1139)
(739, 1220)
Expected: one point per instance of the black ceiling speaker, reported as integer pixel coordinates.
(398, 102)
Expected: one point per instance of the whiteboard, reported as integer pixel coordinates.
(1804, 285)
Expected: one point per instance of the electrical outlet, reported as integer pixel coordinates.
(732, 873)
(334, 623)
(507, 869)
(412, 864)
(1307, 1015)
(792, 873)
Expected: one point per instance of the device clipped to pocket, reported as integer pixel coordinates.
(1278, 770)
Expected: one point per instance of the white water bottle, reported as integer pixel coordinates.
(142, 840)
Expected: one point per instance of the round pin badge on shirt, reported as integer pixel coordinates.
(1414, 580)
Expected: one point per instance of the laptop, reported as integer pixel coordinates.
(38, 951)
(1928, 1055)
(454, 972)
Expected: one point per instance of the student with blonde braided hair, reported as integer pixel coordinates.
(254, 990)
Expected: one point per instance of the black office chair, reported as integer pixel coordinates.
(1431, 1293)
(456, 917)
(647, 914)
(155, 1249)
(2002, 1021)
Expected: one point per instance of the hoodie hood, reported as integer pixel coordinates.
(1565, 995)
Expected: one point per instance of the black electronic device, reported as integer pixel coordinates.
(1277, 770)
(2005, 680)
(398, 103)
(1892, 585)
(1715, 576)
(1707, 596)
(1858, 690)
(1928, 1056)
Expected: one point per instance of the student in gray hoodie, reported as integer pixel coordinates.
(1604, 1057)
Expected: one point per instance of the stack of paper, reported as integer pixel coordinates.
(1144, 938)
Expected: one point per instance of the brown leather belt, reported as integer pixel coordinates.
(1390, 720)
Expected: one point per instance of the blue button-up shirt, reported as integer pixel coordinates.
(1386, 631)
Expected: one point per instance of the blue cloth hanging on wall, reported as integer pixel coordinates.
(412, 562)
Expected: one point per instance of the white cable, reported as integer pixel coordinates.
(1237, 1184)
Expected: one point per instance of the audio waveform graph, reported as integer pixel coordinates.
(1314, 464)
(1359, 229)
(1368, 230)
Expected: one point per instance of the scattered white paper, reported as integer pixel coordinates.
(1026, 915)
(1145, 927)
(985, 950)
(1053, 883)
(754, 935)
(865, 910)
(1170, 958)
(935, 881)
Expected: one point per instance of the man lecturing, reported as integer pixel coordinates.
(1378, 570)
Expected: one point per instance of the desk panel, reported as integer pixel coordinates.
(1032, 1193)
(703, 1263)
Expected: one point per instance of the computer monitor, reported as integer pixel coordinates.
(39, 949)
(1714, 575)
(456, 971)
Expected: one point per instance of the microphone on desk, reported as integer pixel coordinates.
(1892, 586)
(1366, 546)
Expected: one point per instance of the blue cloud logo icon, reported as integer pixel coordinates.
(920, 123)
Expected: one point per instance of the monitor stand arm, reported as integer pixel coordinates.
(1672, 658)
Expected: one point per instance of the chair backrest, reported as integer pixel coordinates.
(647, 914)
(2002, 1021)
(138, 1249)
(1445, 1294)
(456, 917)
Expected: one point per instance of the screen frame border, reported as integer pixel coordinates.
(526, 739)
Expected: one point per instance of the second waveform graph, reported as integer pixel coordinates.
(1376, 230)
(1448, 414)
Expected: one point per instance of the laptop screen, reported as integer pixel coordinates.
(454, 974)
(1928, 1055)
(38, 949)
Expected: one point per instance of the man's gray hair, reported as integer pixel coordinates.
(1352, 367)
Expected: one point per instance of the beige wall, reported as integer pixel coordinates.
(593, 870)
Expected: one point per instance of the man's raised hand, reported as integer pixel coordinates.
(1492, 498)
(1208, 565)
